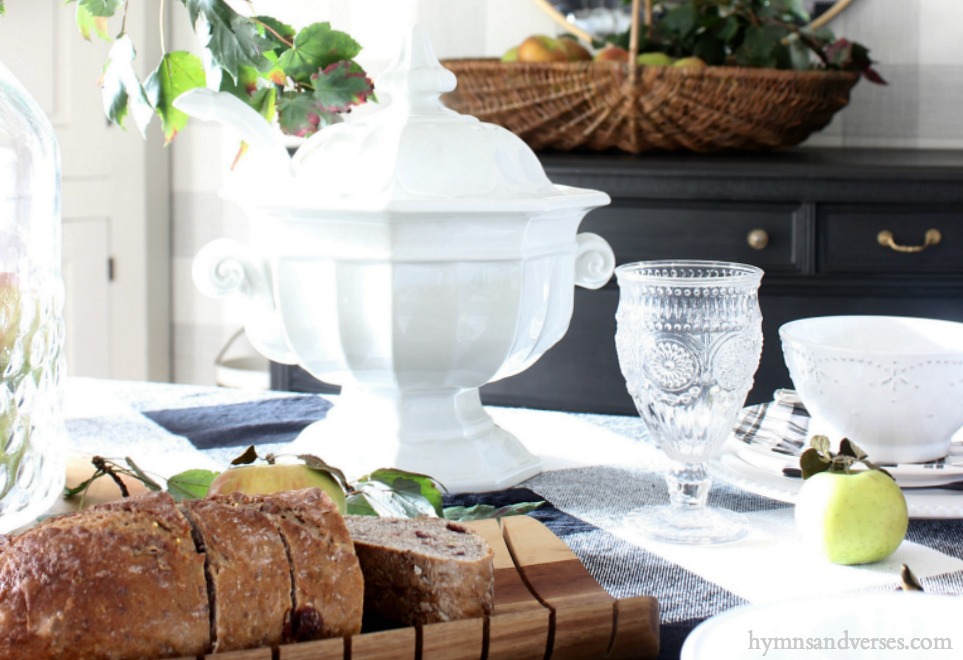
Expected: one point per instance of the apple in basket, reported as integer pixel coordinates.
(850, 517)
(693, 63)
(612, 53)
(575, 51)
(540, 48)
(654, 58)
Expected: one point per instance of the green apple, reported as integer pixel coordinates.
(273, 478)
(690, 63)
(654, 59)
(850, 517)
(511, 55)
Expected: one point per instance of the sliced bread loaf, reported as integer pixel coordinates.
(422, 570)
(127, 579)
(121, 580)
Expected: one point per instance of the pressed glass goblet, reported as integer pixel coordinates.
(689, 337)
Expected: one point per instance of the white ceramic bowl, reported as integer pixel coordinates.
(861, 626)
(893, 385)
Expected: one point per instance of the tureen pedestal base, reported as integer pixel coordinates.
(445, 434)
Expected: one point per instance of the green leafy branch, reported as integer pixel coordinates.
(387, 492)
(305, 80)
(752, 33)
(105, 467)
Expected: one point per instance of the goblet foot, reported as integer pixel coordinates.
(445, 434)
(701, 526)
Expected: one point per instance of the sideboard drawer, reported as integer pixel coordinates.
(848, 239)
(639, 231)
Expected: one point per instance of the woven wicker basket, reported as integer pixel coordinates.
(597, 105)
(608, 105)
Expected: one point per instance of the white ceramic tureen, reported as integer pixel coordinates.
(410, 254)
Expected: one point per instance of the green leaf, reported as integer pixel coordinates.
(301, 115)
(821, 444)
(382, 500)
(411, 483)
(791, 10)
(812, 462)
(89, 24)
(487, 511)
(82, 486)
(279, 35)
(244, 86)
(849, 448)
(177, 72)
(340, 86)
(190, 485)
(727, 29)
(320, 465)
(105, 8)
(265, 102)
(247, 88)
(270, 69)
(231, 38)
(681, 19)
(122, 91)
(246, 458)
(356, 504)
(315, 47)
(3, 9)
(761, 45)
(799, 54)
(908, 579)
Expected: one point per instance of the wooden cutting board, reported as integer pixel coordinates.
(546, 606)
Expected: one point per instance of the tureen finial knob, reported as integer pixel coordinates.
(417, 76)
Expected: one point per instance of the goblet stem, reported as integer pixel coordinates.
(689, 485)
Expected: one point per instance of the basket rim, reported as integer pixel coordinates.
(708, 71)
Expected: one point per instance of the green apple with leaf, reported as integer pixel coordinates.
(849, 516)
(274, 478)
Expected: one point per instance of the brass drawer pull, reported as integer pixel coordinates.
(932, 237)
(757, 239)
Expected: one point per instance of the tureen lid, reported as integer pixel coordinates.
(410, 152)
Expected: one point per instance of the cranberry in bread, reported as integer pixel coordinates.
(422, 570)
(327, 581)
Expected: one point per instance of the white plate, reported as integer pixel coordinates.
(770, 436)
(731, 468)
(891, 620)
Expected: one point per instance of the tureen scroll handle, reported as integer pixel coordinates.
(594, 261)
(224, 268)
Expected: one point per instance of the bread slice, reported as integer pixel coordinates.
(327, 583)
(422, 570)
(248, 577)
(120, 580)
